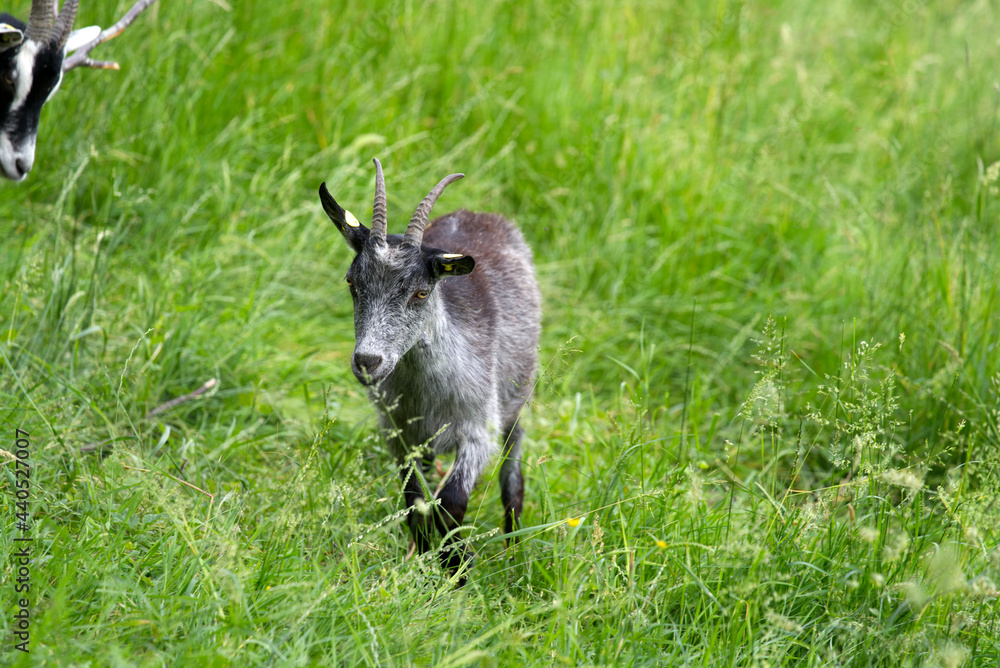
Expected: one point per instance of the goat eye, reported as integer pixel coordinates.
(422, 294)
(9, 78)
(349, 281)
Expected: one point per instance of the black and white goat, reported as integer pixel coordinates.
(32, 62)
(448, 354)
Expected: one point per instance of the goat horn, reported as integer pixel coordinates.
(415, 230)
(64, 22)
(40, 22)
(379, 215)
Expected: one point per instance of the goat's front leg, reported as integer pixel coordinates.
(448, 516)
(473, 454)
(421, 525)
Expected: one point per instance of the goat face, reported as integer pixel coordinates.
(392, 281)
(394, 301)
(31, 58)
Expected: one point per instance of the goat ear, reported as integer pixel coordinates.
(355, 233)
(9, 37)
(451, 264)
(82, 36)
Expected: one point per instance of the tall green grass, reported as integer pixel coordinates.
(766, 430)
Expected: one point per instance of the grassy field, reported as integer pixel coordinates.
(767, 428)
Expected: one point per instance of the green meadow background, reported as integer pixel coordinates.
(767, 426)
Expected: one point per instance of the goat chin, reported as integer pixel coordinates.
(367, 379)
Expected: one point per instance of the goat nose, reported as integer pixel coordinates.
(22, 166)
(368, 362)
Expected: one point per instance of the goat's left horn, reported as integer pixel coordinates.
(40, 21)
(415, 230)
(64, 22)
(379, 215)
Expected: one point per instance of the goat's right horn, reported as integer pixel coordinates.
(64, 22)
(415, 230)
(379, 215)
(40, 21)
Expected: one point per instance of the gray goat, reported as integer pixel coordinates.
(448, 363)
(32, 62)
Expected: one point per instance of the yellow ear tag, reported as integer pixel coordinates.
(448, 267)
(9, 34)
(351, 220)
(451, 256)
